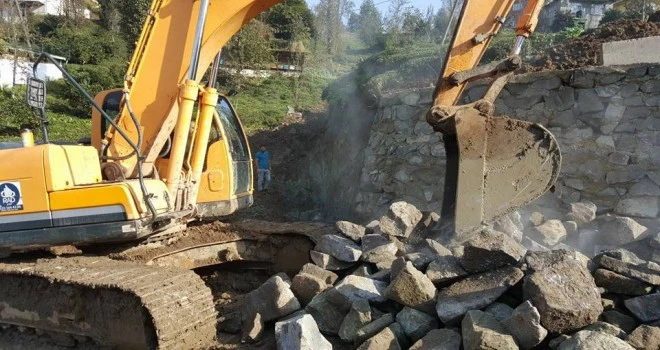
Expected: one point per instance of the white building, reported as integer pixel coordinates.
(56, 7)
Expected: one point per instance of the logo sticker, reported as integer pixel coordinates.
(10, 196)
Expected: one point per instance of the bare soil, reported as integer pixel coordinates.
(586, 50)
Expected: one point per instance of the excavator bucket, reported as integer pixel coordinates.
(495, 165)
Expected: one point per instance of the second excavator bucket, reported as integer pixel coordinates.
(495, 165)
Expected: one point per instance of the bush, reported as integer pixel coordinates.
(15, 114)
(85, 44)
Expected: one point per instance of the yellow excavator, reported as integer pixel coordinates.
(167, 150)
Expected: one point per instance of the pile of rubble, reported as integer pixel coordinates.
(398, 290)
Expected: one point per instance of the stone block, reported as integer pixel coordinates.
(329, 262)
(645, 338)
(358, 317)
(400, 220)
(445, 269)
(416, 324)
(525, 326)
(273, 299)
(355, 288)
(499, 310)
(383, 340)
(619, 284)
(589, 102)
(604, 327)
(490, 250)
(373, 328)
(622, 321)
(329, 309)
(646, 207)
(550, 232)
(646, 308)
(339, 247)
(482, 331)
(588, 340)
(305, 287)
(351, 230)
(618, 230)
(412, 288)
(325, 275)
(300, 332)
(439, 339)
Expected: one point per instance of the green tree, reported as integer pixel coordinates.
(329, 26)
(132, 16)
(370, 23)
(85, 44)
(249, 48)
(109, 15)
(563, 20)
(285, 16)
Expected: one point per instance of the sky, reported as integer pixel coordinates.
(421, 4)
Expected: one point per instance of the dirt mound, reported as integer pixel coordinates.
(586, 50)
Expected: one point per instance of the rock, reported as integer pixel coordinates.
(416, 323)
(413, 289)
(373, 328)
(351, 230)
(420, 261)
(619, 158)
(623, 255)
(646, 207)
(500, 311)
(356, 287)
(339, 247)
(625, 322)
(607, 328)
(445, 269)
(328, 262)
(618, 230)
(273, 299)
(384, 340)
(305, 287)
(550, 232)
(646, 308)
(372, 227)
(588, 340)
(431, 247)
(645, 338)
(532, 245)
(490, 250)
(645, 273)
(400, 220)
(511, 226)
(482, 331)
(619, 284)
(327, 276)
(582, 213)
(571, 228)
(655, 241)
(474, 293)
(563, 291)
(439, 339)
(253, 329)
(644, 187)
(382, 253)
(554, 343)
(358, 317)
(400, 334)
(329, 309)
(300, 332)
(525, 326)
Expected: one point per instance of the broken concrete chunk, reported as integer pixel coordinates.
(619, 284)
(412, 288)
(355, 288)
(384, 340)
(619, 230)
(474, 293)
(564, 293)
(351, 230)
(588, 340)
(400, 220)
(358, 317)
(327, 276)
(582, 213)
(551, 232)
(339, 247)
(525, 326)
(273, 299)
(482, 331)
(625, 322)
(329, 309)
(645, 338)
(645, 308)
(489, 250)
(305, 287)
(499, 310)
(416, 323)
(643, 273)
(604, 327)
(300, 332)
(373, 328)
(439, 339)
(445, 269)
(328, 262)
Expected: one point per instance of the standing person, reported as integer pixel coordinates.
(262, 160)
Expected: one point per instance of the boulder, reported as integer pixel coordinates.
(416, 323)
(400, 334)
(328, 262)
(550, 232)
(305, 287)
(525, 326)
(445, 269)
(474, 293)
(339, 247)
(356, 287)
(373, 328)
(351, 230)
(511, 226)
(482, 331)
(329, 309)
(419, 260)
(400, 220)
(358, 317)
(327, 276)
(554, 343)
(272, 300)
(499, 310)
(619, 230)
(645, 207)
(646, 308)
(604, 327)
(384, 340)
(383, 254)
(622, 321)
(300, 332)
(431, 247)
(646, 273)
(619, 284)
(645, 338)
(439, 339)
(532, 245)
(563, 291)
(582, 213)
(588, 340)
(413, 289)
(490, 250)
(623, 255)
